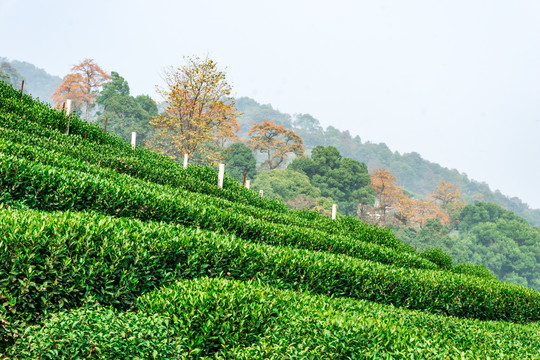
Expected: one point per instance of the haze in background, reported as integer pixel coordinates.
(457, 82)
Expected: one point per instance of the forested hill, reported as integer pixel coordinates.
(414, 173)
(38, 82)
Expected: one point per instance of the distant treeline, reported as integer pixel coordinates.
(413, 173)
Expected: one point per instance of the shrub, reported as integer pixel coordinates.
(473, 270)
(101, 333)
(437, 256)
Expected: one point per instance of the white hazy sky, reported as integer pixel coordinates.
(457, 81)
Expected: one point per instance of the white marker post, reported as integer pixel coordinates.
(221, 174)
(334, 211)
(68, 110)
(133, 140)
(248, 184)
(260, 193)
(185, 161)
(68, 106)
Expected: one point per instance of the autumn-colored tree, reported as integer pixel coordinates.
(276, 142)
(81, 86)
(446, 193)
(424, 210)
(391, 200)
(199, 116)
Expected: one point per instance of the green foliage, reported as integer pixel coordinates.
(59, 189)
(414, 173)
(38, 82)
(473, 270)
(285, 185)
(488, 236)
(293, 188)
(342, 179)
(124, 112)
(53, 261)
(40, 118)
(217, 318)
(98, 333)
(214, 315)
(10, 75)
(55, 266)
(438, 257)
(481, 212)
(239, 159)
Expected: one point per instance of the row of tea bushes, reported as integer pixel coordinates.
(56, 261)
(163, 170)
(218, 318)
(180, 178)
(20, 113)
(51, 150)
(53, 188)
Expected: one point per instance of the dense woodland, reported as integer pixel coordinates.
(336, 168)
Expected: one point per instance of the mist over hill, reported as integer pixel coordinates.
(38, 82)
(416, 174)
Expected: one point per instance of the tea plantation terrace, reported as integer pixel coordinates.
(114, 252)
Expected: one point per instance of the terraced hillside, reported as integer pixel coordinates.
(109, 252)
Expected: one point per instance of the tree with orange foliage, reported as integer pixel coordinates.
(81, 85)
(449, 196)
(200, 115)
(424, 210)
(391, 200)
(446, 193)
(276, 142)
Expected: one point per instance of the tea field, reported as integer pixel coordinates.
(109, 252)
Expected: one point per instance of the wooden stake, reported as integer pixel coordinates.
(221, 175)
(334, 211)
(244, 182)
(85, 135)
(186, 158)
(22, 87)
(105, 127)
(133, 140)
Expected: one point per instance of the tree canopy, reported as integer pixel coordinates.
(124, 112)
(343, 179)
(239, 159)
(200, 116)
(276, 142)
(81, 86)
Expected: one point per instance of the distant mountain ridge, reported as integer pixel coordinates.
(37, 82)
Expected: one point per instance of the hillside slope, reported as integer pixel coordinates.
(414, 173)
(114, 252)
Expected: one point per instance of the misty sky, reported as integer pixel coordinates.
(456, 81)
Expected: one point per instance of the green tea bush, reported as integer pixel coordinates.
(437, 256)
(299, 325)
(99, 333)
(54, 188)
(153, 167)
(55, 261)
(46, 150)
(218, 318)
(473, 270)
